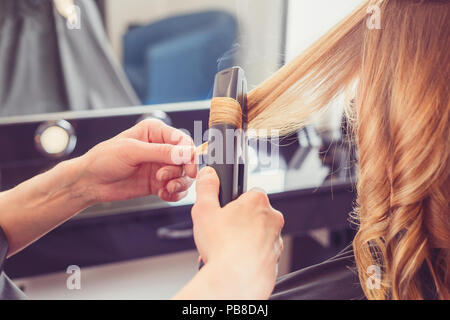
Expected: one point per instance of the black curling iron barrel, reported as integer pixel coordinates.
(227, 145)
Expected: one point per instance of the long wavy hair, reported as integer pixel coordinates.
(398, 77)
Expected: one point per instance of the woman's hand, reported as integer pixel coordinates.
(149, 158)
(239, 243)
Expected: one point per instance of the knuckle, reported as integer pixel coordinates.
(260, 198)
(151, 122)
(281, 244)
(279, 218)
(182, 137)
(177, 136)
(270, 218)
(267, 212)
(263, 217)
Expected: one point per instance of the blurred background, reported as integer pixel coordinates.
(76, 72)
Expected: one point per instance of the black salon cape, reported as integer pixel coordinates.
(8, 290)
(333, 279)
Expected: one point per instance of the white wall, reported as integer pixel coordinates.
(308, 20)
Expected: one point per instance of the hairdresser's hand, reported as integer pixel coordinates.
(149, 158)
(241, 241)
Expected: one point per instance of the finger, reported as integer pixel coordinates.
(179, 185)
(159, 132)
(164, 195)
(191, 169)
(169, 172)
(180, 138)
(140, 152)
(207, 191)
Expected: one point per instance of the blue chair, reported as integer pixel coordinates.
(176, 59)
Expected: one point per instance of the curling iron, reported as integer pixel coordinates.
(227, 145)
(227, 141)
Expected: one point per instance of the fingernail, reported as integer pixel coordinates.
(186, 150)
(163, 194)
(163, 176)
(205, 171)
(176, 187)
(180, 154)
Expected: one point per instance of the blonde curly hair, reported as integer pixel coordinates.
(399, 76)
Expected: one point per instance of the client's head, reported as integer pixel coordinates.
(398, 76)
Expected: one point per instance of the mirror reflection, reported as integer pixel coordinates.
(71, 55)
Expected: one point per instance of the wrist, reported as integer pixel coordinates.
(233, 281)
(43, 202)
(75, 181)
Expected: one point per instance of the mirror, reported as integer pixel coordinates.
(84, 70)
(72, 55)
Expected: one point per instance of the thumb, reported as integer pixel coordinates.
(207, 192)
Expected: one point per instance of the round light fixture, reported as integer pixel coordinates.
(55, 138)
